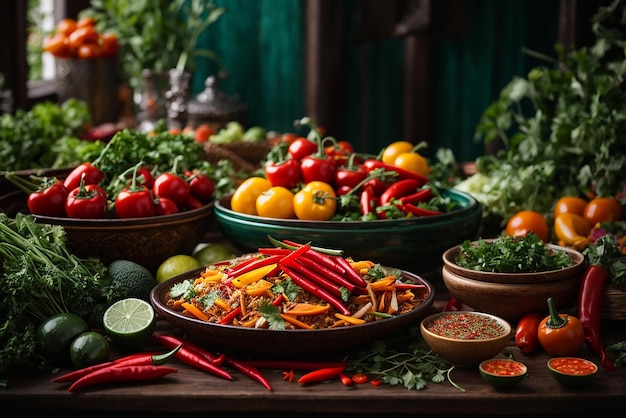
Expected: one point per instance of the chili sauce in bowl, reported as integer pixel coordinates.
(502, 373)
(572, 372)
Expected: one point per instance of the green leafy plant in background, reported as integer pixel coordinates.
(562, 128)
(156, 34)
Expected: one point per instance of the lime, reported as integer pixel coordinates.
(54, 336)
(129, 323)
(175, 265)
(212, 253)
(89, 348)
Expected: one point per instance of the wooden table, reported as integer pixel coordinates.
(190, 392)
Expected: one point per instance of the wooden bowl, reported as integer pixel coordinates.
(510, 295)
(146, 241)
(460, 350)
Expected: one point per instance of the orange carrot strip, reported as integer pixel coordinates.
(296, 322)
(258, 288)
(222, 304)
(382, 283)
(349, 319)
(193, 309)
(242, 303)
(308, 309)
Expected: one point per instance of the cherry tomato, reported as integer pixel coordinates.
(109, 45)
(66, 26)
(203, 132)
(202, 187)
(360, 378)
(314, 168)
(57, 45)
(285, 173)
(89, 51)
(276, 202)
(316, 201)
(245, 196)
(165, 206)
(570, 204)
(525, 221)
(602, 209)
(81, 36)
(414, 162)
(86, 21)
(394, 149)
(301, 147)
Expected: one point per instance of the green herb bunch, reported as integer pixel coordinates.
(563, 127)
(508, 254)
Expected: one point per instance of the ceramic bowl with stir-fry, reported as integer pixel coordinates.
(283, 302)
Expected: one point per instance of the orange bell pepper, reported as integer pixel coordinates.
(572, 230)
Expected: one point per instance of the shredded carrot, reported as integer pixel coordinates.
(209, 273)
(242, 303)
(178, 304)
(362, 266)
(258, 288)
(195, 311)
(295, 322)
(378, 285)
(308, 309)
(372, 295)
(349, 319)
(249, 324)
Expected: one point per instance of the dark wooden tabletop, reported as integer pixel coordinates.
(190, 392)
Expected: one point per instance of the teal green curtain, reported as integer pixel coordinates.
(261, 44)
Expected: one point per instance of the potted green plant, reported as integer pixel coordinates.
(158, 35)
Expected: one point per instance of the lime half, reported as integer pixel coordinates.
(129, 323)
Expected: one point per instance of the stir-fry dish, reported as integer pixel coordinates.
(295, 286)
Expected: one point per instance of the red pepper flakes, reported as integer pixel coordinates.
(288, 376)
(465, 326)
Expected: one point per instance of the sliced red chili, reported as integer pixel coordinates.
(360, 378)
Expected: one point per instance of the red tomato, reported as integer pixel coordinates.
(525, 221)
(301, 147)
(203, 132)
(172, 186)
(57, 45)
(109, 44)
(89, 51)
(81, 36)
(602, 209)
(85, 22)
(66, 26)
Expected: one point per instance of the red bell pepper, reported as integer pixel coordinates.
(284, 173)
(90, 173)
(86, 201)
(135, 201)
(48, 201)
(301, 147)
(317, 166)
(201, 187)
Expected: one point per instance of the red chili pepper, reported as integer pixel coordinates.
(313, 276)
(121, 374)
(376, 382)
(316, 166)
(228, 318)
(135, 201)
(351, 273)
(138, 359)
(86, 202)
(327, 273)
(288, 376)
(417, 211)
(92, 175)
(453, 305)
(321, 375)
(252, 265)
(284, 173)
(526, 337)
(372, 164)
(192, 357)
(316, 290)
(399, 189)
(367, 200)
(423, 195)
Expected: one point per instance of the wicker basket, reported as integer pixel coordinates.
(614, 302)
(245, 155)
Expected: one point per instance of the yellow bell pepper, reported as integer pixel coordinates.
(572, 230)
(253, 276)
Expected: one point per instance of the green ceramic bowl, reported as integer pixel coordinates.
(414, 244)
(572, 372)
(502, 373)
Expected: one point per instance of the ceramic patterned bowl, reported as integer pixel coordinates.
(414, 244)
(465, 338)
(276, 343)
(510, 295)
